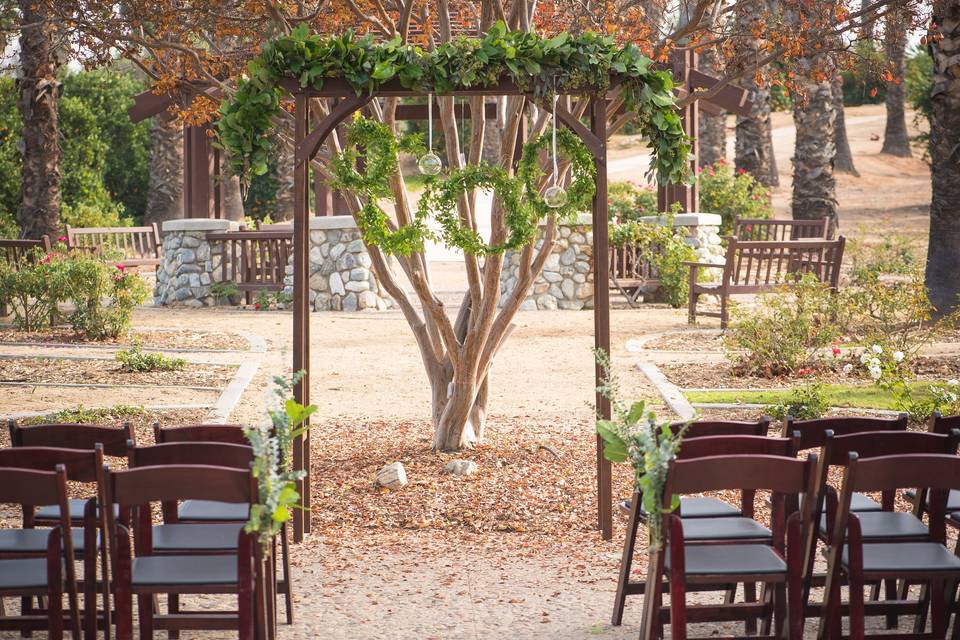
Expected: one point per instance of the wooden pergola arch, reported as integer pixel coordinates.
(307, 144)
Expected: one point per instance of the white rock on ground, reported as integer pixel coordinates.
(461, 467)
(392, 476)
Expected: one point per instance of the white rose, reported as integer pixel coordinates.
(877, 349)
(953, 383)
(898, 356)
(847, 368)
(864, 357)
(875, 373)
(875, 362)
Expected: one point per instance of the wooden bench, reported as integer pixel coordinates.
(780, 230)
(632, 272)
(16, 252)
(753, 266)
(140, 246)
(254, 260)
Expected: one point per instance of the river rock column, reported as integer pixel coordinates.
(190, 265)
(566, 281)
(702, 232)
(341, 274)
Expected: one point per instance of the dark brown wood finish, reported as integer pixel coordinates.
(257, 259)
(780, 230)
(231, 433)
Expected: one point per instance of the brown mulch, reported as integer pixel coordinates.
(158, 339)
(725, 376)
(694, 341)
(64, 371)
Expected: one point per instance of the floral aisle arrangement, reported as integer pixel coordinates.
(634, 435)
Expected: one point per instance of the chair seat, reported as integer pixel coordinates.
(76, 506)
(34, 540)
(886, 524)
(906, 556)
(199, 537)
(184, 571)
(953, 499)
(739, 528)
(23, 573)
(861, 503)
(694, 507)
(213, 511)
(730, 559)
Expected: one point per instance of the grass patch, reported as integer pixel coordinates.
(82, 415)
(836, 395)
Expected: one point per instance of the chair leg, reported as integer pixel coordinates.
(890, 593)
(626, 561)
(287, 580)
(938, 610)
(173, 606)
(89, 596)
(856, 616)
(145, 612)
(750, 595)
(724, 311)
(920, 622)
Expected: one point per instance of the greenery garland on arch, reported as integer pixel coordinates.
(587, 63)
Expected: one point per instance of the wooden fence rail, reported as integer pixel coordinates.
(632, 272)
(253, 260)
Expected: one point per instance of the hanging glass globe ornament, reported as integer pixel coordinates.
(555, 196)
(430, 164)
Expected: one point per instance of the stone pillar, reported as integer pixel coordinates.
(702, 233)
(566, 281)
(341, 278)
(190, 264)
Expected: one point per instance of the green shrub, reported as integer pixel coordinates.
(225, 290)
(135, 360)
(804, 403)
(893, 255)
(863, 83)
(732, 195)
(33, 288)
(628, 201)
(104, 296)
(785, 331)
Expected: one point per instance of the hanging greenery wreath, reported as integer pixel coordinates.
(580, 64)
(582, 181)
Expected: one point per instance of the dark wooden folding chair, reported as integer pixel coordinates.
(943, 425)
(148, 573)
(42, 565)
(721, 529)
(813, 435)
(80, 466)
(776, 562)
(112, 440)
(856, 561)
(886, 525)
(211, 512)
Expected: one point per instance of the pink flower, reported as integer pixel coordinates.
(120, 267)
(710, 171)
(741, 171)
(722, 161)
(804, 372)
(256, 306)
(836, 352)
(62, 239)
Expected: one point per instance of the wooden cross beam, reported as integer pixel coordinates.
(689, 80)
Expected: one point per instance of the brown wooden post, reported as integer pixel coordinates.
(197, 175)
(683, 62)
(601, 304)
(301, 308)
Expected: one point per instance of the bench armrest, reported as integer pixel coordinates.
(704, 264)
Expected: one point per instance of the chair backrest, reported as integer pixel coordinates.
(813, 432)
(707, 428)
(221, 454)
(80, 465)
(145, 485)
(73, 436)
(31, 488)
(232, 433)
(138, 244)
(837, 449)
(943, 424)
(939, 473)
(779, 230)
(755, 266)
(737, 445)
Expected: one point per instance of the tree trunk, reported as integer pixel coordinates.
(39, 212)
(896, 142)
(713, 130)
(814, 187)
(844, 159)
(165, 193)
(231, 205)
(284, 175)
(753, 145)
(868, 29)
(774, 174)
(943, 257)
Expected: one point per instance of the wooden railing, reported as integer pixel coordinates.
(16, 251)
(253, 260)
(139, 246)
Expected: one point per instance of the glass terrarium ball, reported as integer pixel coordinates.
(430, 164)
(555, 196)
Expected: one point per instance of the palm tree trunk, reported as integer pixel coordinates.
(943, 257)
(165, 192)
(39, 212)
(753, 146)
(896, 142)
(814, 187)
(844, 158)
(713, 130)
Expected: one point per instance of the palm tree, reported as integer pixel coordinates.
(39, 212)
(943, 257)
(844, 159)
(753, 149)
(713, 130)
(895, 139)
(814, 116)
(165, 192)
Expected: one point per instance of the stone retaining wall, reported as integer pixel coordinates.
(341, 278)
(703, 234)
(190, 264)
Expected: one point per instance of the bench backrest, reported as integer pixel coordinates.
(780, 230)
(757, 265)
(139, 245)
(255, 260)
(17, 251)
